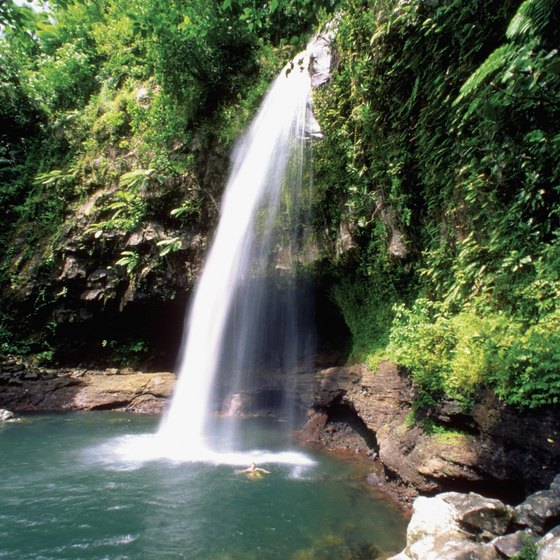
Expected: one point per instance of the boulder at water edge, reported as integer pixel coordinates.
(6, 415)
(455, 526)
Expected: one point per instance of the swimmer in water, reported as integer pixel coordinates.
(253, 471)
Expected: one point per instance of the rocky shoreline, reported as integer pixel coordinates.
(490, 449)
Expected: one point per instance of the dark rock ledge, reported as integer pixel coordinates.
(28, 389)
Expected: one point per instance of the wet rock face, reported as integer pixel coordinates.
(323, 56)
(263, 401)
(92, 282)
(76, 278)
(322, 60)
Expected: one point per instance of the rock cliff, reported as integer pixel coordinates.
(492, 448)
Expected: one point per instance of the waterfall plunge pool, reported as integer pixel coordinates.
(69, 491)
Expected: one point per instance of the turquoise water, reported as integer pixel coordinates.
(65, 496)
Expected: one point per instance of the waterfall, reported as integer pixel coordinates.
(259, 230)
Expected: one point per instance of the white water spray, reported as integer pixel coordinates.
(251, 201)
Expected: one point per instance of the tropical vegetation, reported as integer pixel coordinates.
(440, 161)
(441, 156)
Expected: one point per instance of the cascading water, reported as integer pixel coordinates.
(258, 226)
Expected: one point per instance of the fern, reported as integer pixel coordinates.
(130, 260)
(139, 178)
(167, 246)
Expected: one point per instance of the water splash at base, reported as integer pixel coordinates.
(134, 451)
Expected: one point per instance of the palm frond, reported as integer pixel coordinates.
(530, 18)
(495, 61)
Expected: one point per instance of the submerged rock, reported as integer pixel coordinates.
(237, 404)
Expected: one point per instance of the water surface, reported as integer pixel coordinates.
(67, 494)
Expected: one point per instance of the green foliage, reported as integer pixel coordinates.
(128, 206)
(187, 208)
(19, 21)
(65, 78)
(127, 352)
(459, 354)
(130, 261)
(441, 432)
(531, 18)
(526, 372)
(9, 343)
(167, 246)
(422, 344)
(44, 358)
(139, 178)
(109, 114)
(128, 210)
(198, 51)
(441, 131)
(21, 120)
(278, 19)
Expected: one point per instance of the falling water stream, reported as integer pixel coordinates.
(256, 234)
